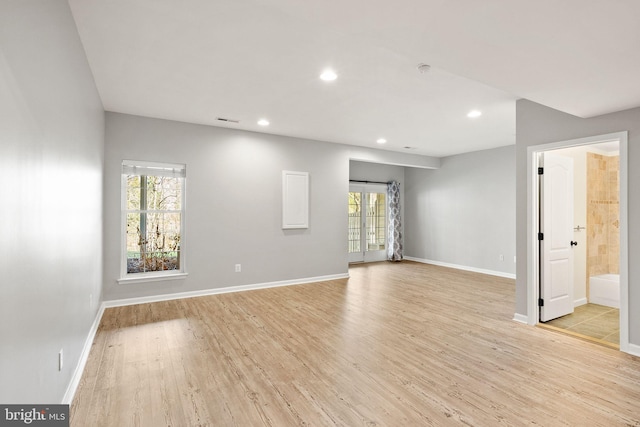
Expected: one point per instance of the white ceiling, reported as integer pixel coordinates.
(196, 60)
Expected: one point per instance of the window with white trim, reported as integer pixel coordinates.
(152, 219)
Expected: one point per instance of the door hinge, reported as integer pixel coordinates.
(540, 302)
(540, 171)
(540, 236)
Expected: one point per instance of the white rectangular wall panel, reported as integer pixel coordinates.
(295, 199)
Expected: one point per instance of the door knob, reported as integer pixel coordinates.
(574, 243)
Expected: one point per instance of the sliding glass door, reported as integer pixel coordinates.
(367, 223)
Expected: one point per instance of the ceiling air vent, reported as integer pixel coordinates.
(222, 119)
(423, 68)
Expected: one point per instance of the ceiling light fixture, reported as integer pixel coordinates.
(474, 113)
(263, 122)
(328, 75)
(381, 141)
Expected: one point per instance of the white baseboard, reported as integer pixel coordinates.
(579, 302)
(521, 318)
(633, 349)
(462, 267)
(225, 290)
(82, 362)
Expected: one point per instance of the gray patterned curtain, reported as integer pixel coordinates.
(394, 249)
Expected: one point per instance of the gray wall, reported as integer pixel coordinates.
(51, 149)
(392, 158)
(234, 204)
(464, 212)
(536, 125)
(365, 171)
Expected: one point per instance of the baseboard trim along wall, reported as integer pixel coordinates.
(77, 375)
(82, 362)
(521, 318)
(579, 302)
(462, 267)
(225, 290)
(633, 349)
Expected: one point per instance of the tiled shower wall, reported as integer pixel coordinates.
(603, 214)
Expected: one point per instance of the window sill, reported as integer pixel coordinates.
(152, 278)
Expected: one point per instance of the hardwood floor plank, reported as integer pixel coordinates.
(395, 344)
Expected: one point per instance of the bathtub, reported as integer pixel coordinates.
(605, 290)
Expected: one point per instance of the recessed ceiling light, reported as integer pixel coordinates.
(381, 141)
(263, 122)
(328, 75)
(474, 113)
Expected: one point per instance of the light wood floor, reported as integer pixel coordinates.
(400, 344)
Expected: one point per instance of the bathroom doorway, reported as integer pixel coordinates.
(598, 290)
(596, 243)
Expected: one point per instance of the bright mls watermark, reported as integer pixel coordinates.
(34, 415)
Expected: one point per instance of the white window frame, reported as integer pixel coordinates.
(155, 169)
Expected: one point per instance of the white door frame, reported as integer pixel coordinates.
(532, 227)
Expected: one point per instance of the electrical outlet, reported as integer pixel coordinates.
(238, 268)
(514, 259)
(60, 360)
(501, 257)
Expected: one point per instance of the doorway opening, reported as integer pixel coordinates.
(567, 257)
(368, 221)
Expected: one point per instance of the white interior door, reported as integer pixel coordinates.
(556, 226)
(367, 223)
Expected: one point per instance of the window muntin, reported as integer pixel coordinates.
(153, 219)
(355, 224)
(376, 222)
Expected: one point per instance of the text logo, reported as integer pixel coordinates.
(34, 415)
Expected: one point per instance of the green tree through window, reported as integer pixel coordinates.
(154, 217)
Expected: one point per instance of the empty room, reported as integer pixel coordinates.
(268, 212)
